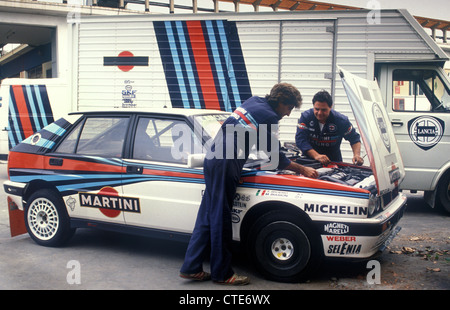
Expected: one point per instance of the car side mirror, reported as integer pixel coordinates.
(195, 160)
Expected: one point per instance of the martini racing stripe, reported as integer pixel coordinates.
(110, 172)
(27, 101)
(213, 49)
(45, 138)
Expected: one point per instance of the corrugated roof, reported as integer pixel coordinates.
(305, 5)
(433, 23)
(295, 5)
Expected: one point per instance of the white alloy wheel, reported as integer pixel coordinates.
(43, 219)
(46, 218)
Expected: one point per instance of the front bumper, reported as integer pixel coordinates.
(361, 238)
(14, 191)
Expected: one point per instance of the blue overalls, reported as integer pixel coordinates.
(213, 226)
(328, 140)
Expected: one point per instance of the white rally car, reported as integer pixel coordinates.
(117, 170)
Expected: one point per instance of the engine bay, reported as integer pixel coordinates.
(347, 174)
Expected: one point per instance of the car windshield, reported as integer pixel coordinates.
(210, 123)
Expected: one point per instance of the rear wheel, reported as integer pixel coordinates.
(46, 219)
(282, 249)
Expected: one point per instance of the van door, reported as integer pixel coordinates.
(419, 108)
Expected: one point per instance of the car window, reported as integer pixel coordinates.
(70, 142)
(100, 136)
(419, 90)
(164, 140)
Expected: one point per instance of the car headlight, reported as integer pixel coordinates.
(374, 204)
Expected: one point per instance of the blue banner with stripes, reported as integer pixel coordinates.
(203, 64)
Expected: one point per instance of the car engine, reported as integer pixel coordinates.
(351, 175)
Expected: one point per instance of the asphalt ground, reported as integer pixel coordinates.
(417, 259)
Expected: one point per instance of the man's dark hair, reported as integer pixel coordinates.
(286, 94)
(323, 96)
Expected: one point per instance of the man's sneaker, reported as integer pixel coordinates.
(199, 276)
(235, 280)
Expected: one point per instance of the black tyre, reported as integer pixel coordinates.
(46, 219)
(443, 193)
(282, 249)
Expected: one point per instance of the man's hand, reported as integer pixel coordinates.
(306, 171)
(309, 172)
(323, 159)
(357, 160)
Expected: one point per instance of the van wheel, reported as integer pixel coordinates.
(46, 219)
(283, 250)
(443, 192)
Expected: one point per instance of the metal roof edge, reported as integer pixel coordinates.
(440, 54)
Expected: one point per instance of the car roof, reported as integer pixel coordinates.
(166, 111)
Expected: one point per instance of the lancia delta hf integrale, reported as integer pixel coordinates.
(118, 170)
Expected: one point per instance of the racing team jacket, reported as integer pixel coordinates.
(328, 140)
(257, 117)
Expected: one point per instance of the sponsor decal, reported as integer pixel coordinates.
(108, 201)
(35, 139)
(336, 228)
(394, 174)
(71, 202)
(235, 218)
(426, 131)
(381, 125)
(334, 209)
(264, 192)
(341, 238)
(240, 200)
(332, 127)
(302, 126)
(128, 95)
(349, 130)
(344, 249)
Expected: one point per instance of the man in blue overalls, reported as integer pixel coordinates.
(321, 129)
(213, 226)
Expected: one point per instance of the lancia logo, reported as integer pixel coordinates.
(426, 131)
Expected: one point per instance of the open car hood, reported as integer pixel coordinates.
(376, 131)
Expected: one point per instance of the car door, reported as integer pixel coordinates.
(157, 174)
(420, 114)
(88, 169)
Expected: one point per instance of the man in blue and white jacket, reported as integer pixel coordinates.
(321, 129)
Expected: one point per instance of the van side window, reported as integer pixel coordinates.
(419, 90)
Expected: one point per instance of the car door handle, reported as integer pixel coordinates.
(135, 169)
(397, 123)
(56, 161)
